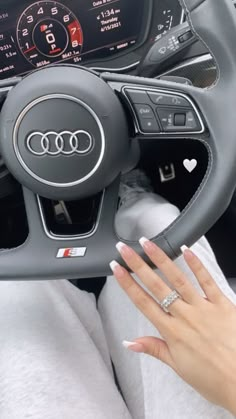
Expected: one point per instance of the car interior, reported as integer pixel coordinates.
(90, 90)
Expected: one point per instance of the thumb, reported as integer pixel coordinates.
(154, 347)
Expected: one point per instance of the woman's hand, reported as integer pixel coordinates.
(199, 333)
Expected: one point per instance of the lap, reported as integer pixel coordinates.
(54, 357)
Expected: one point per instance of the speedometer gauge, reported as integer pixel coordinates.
(48, 32)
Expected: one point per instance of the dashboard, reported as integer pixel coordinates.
(106, 34)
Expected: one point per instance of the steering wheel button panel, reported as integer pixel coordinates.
(175, 113)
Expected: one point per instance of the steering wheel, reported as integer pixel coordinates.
(66, 133)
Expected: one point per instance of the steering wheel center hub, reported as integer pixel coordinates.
(65, 142)
(59, 140)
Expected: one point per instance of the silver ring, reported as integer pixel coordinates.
(170, 299)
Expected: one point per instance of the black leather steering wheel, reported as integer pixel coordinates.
(66, 133)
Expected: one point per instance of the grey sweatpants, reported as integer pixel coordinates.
(56, 347)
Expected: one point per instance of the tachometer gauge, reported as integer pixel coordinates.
(48, 32)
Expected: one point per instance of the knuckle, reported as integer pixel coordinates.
(197, 265)
(180, 281)
(161, 258)
(130, 287)
(157, 287)
(138, 265)
(142, 300)
(206, 279)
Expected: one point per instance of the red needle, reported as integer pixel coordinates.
(30, 49)
(55, 51)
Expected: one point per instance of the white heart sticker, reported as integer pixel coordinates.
(190, 165)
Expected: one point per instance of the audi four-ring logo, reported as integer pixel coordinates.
(64, 143)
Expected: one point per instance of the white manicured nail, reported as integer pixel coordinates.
(183, 248)
(143, 241)
(113, 265)
(133, 346)
(128, 344)
(120, 246)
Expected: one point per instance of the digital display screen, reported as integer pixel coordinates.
(34, 35)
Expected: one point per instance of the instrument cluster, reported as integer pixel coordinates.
(33, 35)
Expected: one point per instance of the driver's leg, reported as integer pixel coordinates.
(151, 389)
(54, 361)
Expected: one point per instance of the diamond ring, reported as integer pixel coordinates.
(170, 299)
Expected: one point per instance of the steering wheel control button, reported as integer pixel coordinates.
(192, 121)
(146, 118)
(167, 118)
(149, 126)
(180, 119)
(138, 96)
(168, 100)
(144, 112)
(66, 143)
(174, 121)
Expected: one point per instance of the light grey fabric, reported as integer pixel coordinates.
(54, 361)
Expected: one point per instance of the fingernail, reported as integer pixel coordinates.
(124, 250)
(147, 245)
(117, 270)
(120, 246)
(114, 265)
(183, 248)
(143, 241)
(133, 346)
(189, 254)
